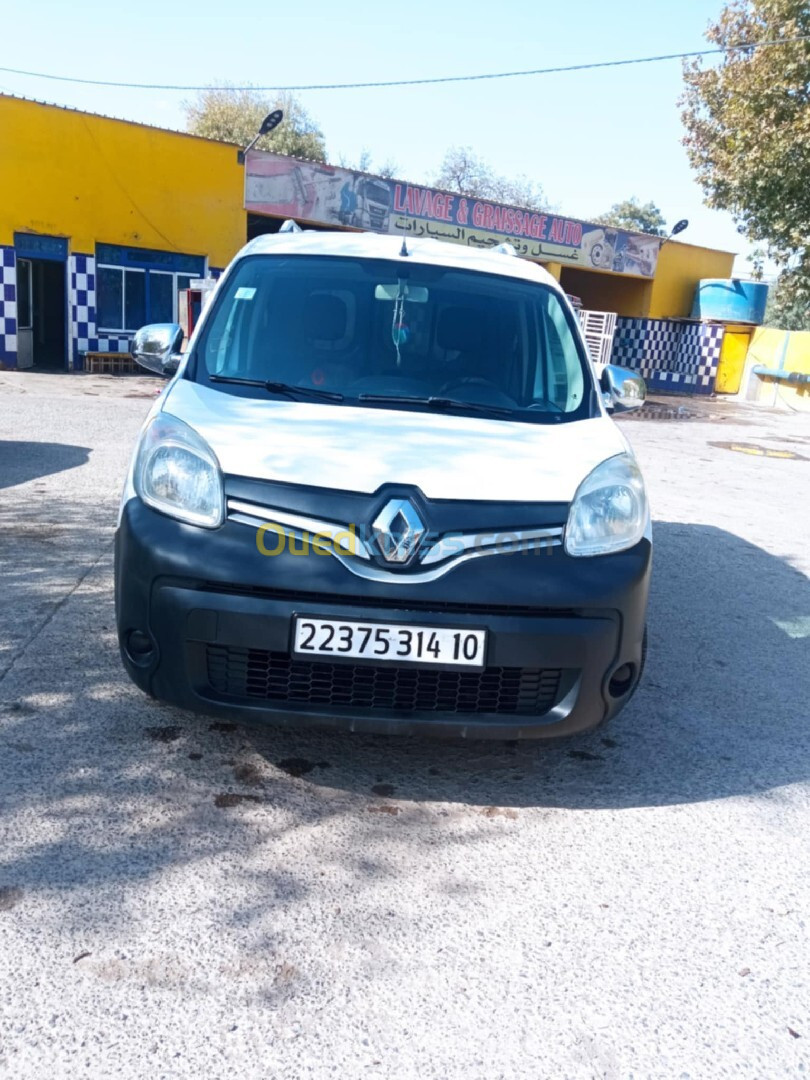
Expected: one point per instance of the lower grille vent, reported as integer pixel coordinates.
(261, 675)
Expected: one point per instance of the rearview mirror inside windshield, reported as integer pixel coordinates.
(416, 294)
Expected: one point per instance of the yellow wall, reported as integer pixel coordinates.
(67, 173)
(797, 357)
(776, 349)
(680, 268)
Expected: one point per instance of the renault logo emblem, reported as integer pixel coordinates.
(397, 531)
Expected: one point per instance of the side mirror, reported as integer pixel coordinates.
(622, 389)
(157, 348)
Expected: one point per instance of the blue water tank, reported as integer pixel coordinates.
(730, 300)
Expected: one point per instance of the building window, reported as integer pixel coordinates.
(161, 294)
(137, 286)
(121, 298)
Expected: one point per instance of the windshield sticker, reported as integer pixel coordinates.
(243, 293)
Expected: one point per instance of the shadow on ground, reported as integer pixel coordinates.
(24, 461)
(722, 709)
(102, 788)
(47, 546)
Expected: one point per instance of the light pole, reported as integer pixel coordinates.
(678, 227)
(270, 123)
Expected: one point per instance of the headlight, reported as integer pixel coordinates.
(609, 512)
(177, 473)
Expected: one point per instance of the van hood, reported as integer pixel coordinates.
(347, 448)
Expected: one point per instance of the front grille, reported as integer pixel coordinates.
(260, 675)
(410, 604)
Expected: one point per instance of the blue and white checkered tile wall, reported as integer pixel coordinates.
(82, 300)
(670, 354)
(8, 307)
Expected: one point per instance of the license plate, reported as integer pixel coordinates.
(387, 643)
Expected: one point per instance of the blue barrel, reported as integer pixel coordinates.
(730, 300)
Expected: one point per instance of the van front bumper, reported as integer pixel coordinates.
(204, 622)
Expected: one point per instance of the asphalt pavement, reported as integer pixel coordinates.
(185, 898)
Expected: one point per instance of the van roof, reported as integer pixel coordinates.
(367, 245)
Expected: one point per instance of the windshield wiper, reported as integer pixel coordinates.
(289, 389)
(440, 403)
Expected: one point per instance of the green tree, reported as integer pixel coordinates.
(747, 122)
(789, 302)
(463, 171)
(236, 115)
(636, 216)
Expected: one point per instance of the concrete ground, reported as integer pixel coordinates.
(181, 898)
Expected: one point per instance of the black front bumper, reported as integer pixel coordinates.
(217, 617)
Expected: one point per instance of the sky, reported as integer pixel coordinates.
(590, 138)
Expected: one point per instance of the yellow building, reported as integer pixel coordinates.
(104, 222)
(669, 294)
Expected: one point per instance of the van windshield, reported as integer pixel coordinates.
(398, 334)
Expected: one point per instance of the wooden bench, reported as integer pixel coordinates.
(109, 363)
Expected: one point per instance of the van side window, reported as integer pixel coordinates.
(566, 383)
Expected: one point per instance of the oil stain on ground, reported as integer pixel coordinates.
(233, 798)
(248, 773)
(167, 734)
(298, 766)
(10, 896)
